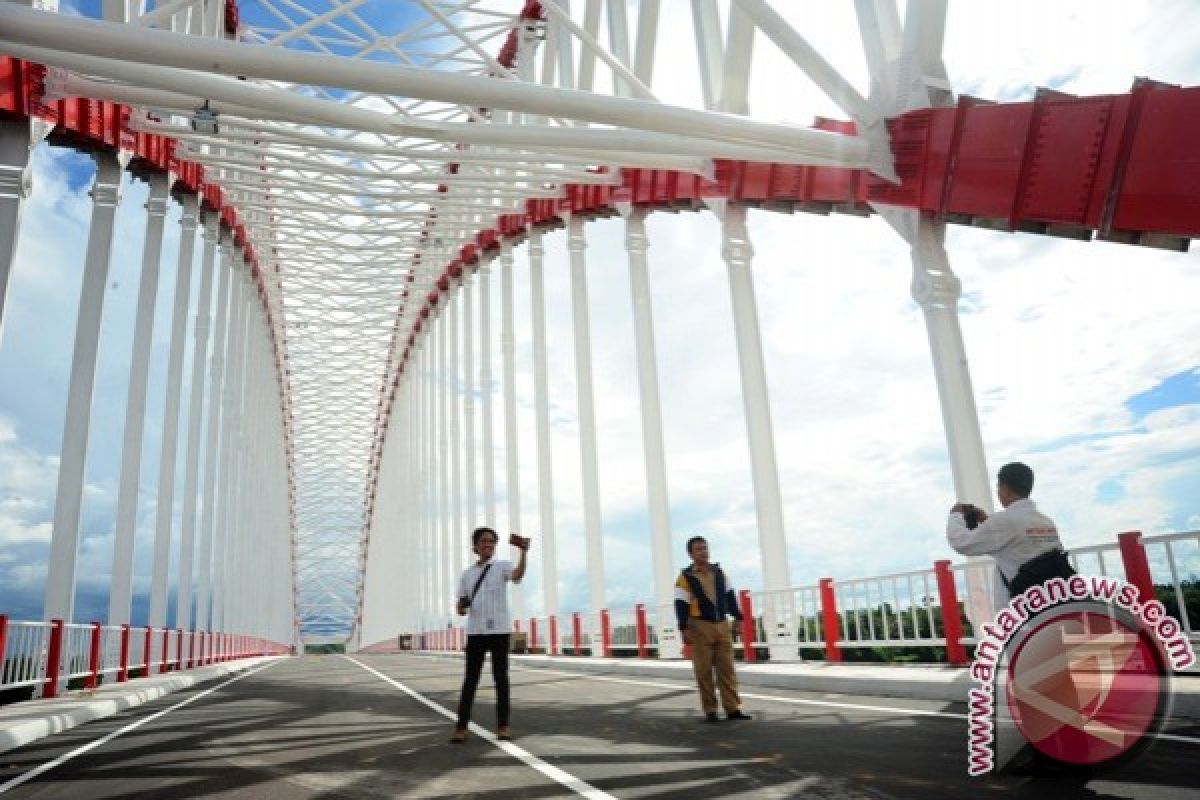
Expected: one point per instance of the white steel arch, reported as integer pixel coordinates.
(364, 145)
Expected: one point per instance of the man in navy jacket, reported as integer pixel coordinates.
(702, 601)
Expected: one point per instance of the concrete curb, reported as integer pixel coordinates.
(914, 682)
(28, 721)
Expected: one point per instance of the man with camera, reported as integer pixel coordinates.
(483, 600)
(1023, 540)
(703, 598)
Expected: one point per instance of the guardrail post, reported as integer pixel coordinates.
(532, 634)
(1137, 566)
(93, 679)
(956, 654)
(639, 613)
(606, 633)
(191, 649)
(146, 645)
(552, 645)
(123, 670)
(179, 652)
(53, 659)
(749, 628)
(577, 626)
(165, 655)
(829, 620)
(3, 643)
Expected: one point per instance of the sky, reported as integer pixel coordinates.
(1083, 355)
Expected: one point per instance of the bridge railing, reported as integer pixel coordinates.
(906, 613)
(889, 610)
(1166, 554)
(50, 656)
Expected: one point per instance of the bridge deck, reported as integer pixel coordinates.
(376, 726)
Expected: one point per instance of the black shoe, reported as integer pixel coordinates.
(711, 716)
(737, 715)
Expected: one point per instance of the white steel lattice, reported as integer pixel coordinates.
(365, 142)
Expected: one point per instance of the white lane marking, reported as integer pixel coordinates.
(1175, 737)
(568, 780)
(912, 712)
(78, 751)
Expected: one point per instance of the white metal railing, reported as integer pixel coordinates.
(784, 614)
(986, 573)
(137, 649)
(99, 654)
(23, 662)
(901, 609)
(904, 603)
(1096, 559)
(1180, 556)
(623, 624)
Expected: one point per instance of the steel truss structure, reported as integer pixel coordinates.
(360, 169)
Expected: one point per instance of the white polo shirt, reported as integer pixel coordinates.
(1012, 537)
(489, 611)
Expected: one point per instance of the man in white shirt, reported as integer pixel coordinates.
(1013, 536)
(483, 599)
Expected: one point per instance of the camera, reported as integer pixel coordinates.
(519, 541)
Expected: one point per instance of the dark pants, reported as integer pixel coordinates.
(479, 646)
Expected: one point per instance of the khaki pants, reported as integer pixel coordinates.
(712, 649)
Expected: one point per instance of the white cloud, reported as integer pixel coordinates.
(15, 532)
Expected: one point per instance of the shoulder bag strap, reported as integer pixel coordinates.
(479, 583)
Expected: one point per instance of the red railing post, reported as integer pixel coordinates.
(552, 645)
(639, 613)
(179, 652)
(165, 655)
(829, 620)
(123, 671)
(1137, 566)
(93, 678)
(532, 634)
(3, 641)
(146, 645)
(951, 618)
(191, 649)
(577, 630)
(53, 659)
(606, 632)
(748, 627)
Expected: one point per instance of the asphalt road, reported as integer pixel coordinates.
(369, 727)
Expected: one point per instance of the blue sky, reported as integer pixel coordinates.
(1082, 354)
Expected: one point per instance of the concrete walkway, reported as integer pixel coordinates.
(28, 721)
